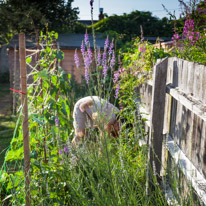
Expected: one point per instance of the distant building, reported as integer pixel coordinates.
(87, 22)
(66, 42)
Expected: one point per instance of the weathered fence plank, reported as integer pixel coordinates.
(157, 115)
(181, 115)
(190, 78)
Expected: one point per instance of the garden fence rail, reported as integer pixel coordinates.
(174, 103)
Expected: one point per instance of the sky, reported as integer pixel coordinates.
(126, 6)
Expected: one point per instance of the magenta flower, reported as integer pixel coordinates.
(188, 27)
(62, 162)
(76, 59)
(142, 49)
(175, 37)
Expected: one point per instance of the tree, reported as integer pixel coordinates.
(128, 25)
(29, 15)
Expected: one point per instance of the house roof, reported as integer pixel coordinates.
(87, 22)
(73, 41)
(65, 41)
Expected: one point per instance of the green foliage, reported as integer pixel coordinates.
(138, 58)
(190, 38)
(27, 16)
(128, 25)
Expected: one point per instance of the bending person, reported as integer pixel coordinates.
(94, 112)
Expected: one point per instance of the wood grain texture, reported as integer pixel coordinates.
(190, 78)
(157, 115)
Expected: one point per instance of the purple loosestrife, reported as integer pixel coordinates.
(116, 77)
(142, 49)
(83, 48)
(188, 27)
(106, 44)
(86, 39)
(60, 152)
(175, 37)
(87, 75)
(89, 53)
(76, 59)
(104, 58)
(112, 62)
(111, 48)
(105, 70)
(117, 91)
(87, 63)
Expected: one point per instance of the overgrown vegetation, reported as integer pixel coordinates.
(190, 37)
(105, 171)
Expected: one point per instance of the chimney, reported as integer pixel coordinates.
(101, 15)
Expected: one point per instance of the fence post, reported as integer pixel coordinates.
(157, 118)
(22, 59)
(14, 82)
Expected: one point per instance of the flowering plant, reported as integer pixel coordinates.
(190, 42)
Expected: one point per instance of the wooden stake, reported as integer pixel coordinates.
(22, 59)
(14, 82)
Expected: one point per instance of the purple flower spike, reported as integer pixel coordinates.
(76, 59)
(87, 62)
(106, 44)
(105, 71)
(90, 55)
(112, 63)
(57, 121)
(66, 150)
(86, 38)
(116, 77)
(104, 58)
(117, 91)
(83, 48)
(62, 162)
(87, 75)
(111, 48)
(60, 152)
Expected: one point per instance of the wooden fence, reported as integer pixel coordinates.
(174, 103)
